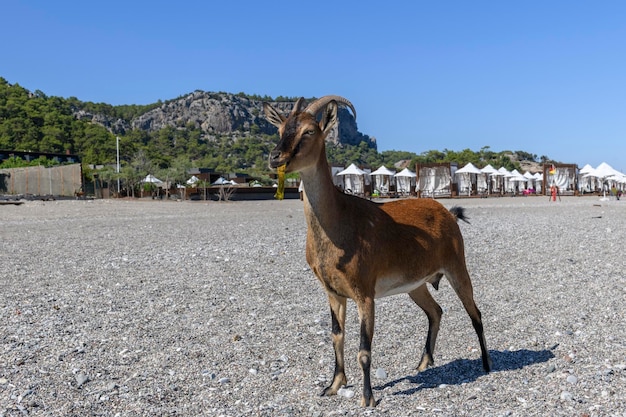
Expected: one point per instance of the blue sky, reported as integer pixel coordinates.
(545, 77)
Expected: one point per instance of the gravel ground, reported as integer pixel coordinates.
(144, 308)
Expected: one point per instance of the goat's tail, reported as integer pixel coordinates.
(459, 213)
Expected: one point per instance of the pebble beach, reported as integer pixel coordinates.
(163, 308)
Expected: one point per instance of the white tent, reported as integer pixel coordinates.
(493, 177)
(508, 186)
(516, 179)
(586, 184)
(603, 170)
(467, 177)
(531, 179)
(193, 180)
(382, 179)
(353, 180)
(606, 175)
(538, 182)
(489, 170)
(223, 181)
(468, 169)
(405, 180)
(152, 180)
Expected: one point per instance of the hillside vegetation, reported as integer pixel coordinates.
(223, 131)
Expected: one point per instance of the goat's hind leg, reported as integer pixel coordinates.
(338, 319)
(421, 296)
(462, 285)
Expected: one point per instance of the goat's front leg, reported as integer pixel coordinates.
(338, 318)
(366, 316)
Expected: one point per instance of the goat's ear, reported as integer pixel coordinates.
(298, 106)
(273, 116)
(329, 117)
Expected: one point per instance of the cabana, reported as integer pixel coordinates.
(531, 188)
(405, 181)
(467, 180)
(383, 180)
(538, 182)
(586, 183)
(493, 179)
(516, 179)
(434, 180)
(353, 180)
(508, 186)
(563, 176)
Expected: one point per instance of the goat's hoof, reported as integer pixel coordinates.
(328, 391)
(425, 364)
(368, 402)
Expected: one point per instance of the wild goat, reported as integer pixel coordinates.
(362, 250)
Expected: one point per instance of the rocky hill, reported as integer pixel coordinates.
(219, 114)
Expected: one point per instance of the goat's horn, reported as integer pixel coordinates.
(315, 107)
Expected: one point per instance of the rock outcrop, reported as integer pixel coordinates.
(221, 114)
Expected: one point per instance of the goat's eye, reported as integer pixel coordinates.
(310, 132)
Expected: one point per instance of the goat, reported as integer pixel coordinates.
(363, 250)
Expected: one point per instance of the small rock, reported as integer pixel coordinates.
(224, 380)
(344, 392)
(81, 379)
(253, 371)
(567, 396)
(209, 374)
(381, 373)
(572, 379)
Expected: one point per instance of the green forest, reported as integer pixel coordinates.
(33, 121)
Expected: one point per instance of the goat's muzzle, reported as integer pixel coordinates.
(276, 160)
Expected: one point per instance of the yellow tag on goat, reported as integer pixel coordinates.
(280, 192)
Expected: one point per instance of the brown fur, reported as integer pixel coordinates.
(355, 246)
